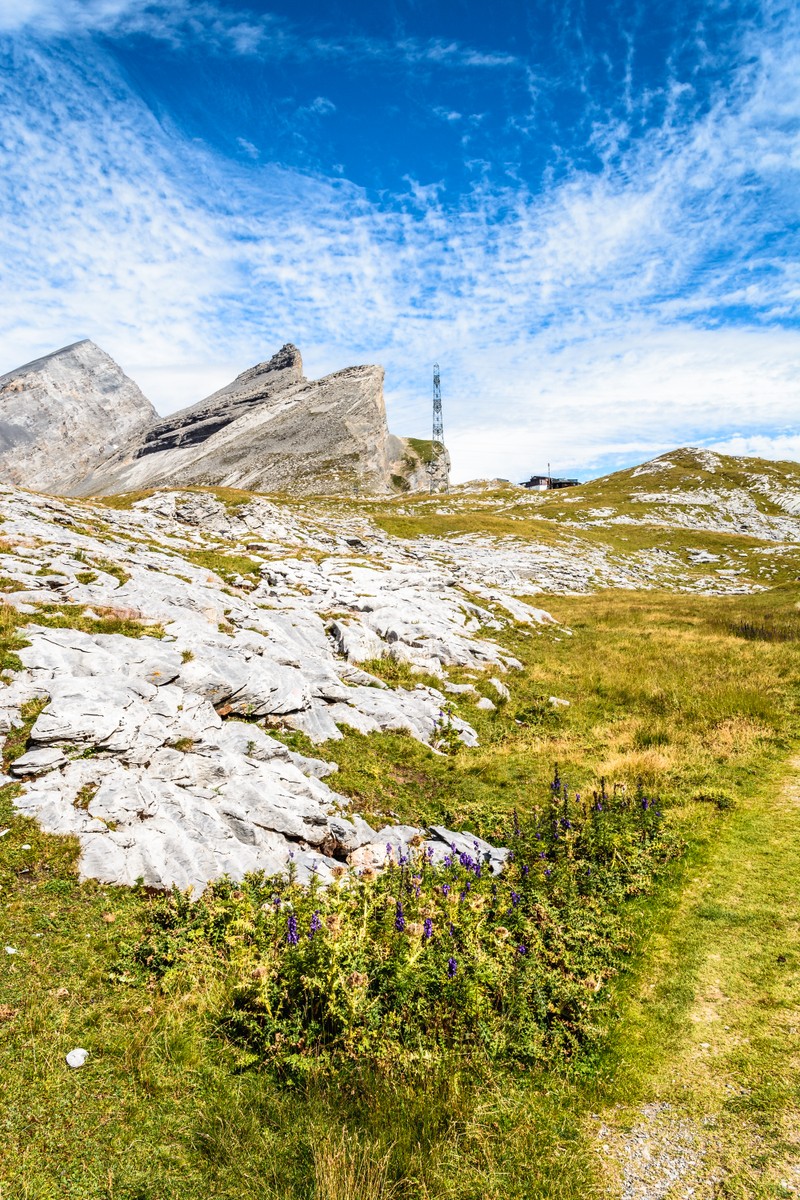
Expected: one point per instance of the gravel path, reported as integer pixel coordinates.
(665, 1156)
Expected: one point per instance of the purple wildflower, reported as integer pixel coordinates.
(452, 930)
(547, 872)
(526, 871)
(292, 936)
(427, 928)
(399, 918)
(448, 860)
(515, 898)
(522, 949)
(452, 967)
(316, 923)
(466, 860)
(389, 850)
(445, 889)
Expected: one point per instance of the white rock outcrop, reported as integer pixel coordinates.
(156, 751)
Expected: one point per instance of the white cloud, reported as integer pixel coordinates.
(585, 325)
(228, 30)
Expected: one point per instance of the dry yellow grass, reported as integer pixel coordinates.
(347, 1169)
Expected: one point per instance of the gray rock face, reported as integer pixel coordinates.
(271, 429)
(72, 423)
(63, 414)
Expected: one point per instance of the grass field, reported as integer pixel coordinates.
(698, 697)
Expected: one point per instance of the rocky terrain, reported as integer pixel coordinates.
(168, 640)
(72, 423)
(63, 414)
(153, 749)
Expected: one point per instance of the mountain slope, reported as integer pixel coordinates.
(62, 414)
(272, 429)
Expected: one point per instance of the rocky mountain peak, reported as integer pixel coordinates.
(63, 413)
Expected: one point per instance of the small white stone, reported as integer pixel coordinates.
(26, 846)
(76, 1058)
(11, 949)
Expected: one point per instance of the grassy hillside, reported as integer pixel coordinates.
(686, 1044)
(659, 688)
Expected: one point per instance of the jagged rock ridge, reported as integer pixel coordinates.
(75, 424)
(62, 414)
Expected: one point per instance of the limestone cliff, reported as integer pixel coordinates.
(62, 414)
(272, 430)
(74, 424)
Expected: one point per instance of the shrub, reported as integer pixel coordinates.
(407, 963)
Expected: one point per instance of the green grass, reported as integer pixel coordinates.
(222, 563)
(660, 687)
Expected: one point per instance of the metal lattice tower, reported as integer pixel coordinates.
(439, 466)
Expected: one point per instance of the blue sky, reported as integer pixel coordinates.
(587, 213)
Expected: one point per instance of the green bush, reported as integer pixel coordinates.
(407, 963)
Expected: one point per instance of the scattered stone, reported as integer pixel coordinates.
(557, 702)
(485, 704)
(77, 1058)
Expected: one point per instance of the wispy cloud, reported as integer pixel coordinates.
(610, 314)
(228, 30)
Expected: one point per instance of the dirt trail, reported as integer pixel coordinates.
(710, 1093)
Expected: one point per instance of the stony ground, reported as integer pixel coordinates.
(243, 614)
(147, 747)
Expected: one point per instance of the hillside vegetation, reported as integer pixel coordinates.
(630, 980)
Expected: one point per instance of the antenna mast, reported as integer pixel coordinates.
(439, 466)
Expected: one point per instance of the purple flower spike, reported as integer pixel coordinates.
(389, 850)
(515, 898)
(427, 928)
(521, 949)
(316, 923)
(292, 936)
(452, 967)
(399, 918)
(548, 872)
(448, 861)
(445, 889)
